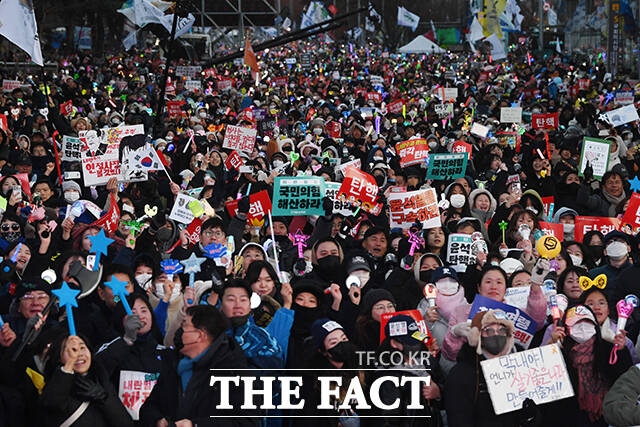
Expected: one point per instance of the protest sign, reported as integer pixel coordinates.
(66, 109)
(239, 138)
(193, 85)
(259, 205)
(583, 84)
(334, 129)
(294, 196)
(544, 121)
(414, 206)
(524, 325)
(290, 61)
(193, 231)
(305, 60)
(279, 81)
(552, 229)
(443, 110)
(174, 108)
(584, 224)
(190, 71)
(135, 387)
(623, 97)
(622, 115)
(632, 214)
(423, 330)
(109, 222)
(461, 147)
(234, 161)
(375, 80)
(447, 166)
(97, 170)
(375, 97)
(449, 93)
(180, 211)
(396, 106)
(10, 85)
(539, 374)
(357, 163)
(459, 253)
(508, 139)
(596, 152)
(225, 83)
(3, 122)
(72, 149)
(412, 152)
(479, 130)
(339, 207)
(360, 189)
(519, 296)
(510, 114)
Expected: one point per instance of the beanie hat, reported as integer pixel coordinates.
(485, 318)
(321, 328)
(372, 297)
(71, 185)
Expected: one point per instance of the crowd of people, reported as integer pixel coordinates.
(270, 304)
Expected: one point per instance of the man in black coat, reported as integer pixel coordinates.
(182, 394)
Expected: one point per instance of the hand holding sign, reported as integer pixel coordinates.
(67, 298)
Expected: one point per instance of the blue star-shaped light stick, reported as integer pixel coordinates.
(191, 267)
(635, 184)
(215, 250)
(99, 244)
(67, 298)
(119, 289)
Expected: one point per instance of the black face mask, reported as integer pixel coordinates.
(412, 349)
(329, 263)
(177, 339)
(238, 320)
(304, 318)
(494, 344)
(379, 180)
(343, 352)
(425, 276)
(595, 251)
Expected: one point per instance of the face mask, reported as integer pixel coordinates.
(532, 209)
(575, 259)
(143, 280)
(203, 115)
(582, 331)
(494, 344)
(379, 180)
(317, 131)
(616, 250)
(12, 236)
(457, 200)
(595, 251)
(277, 163)
(364, 277)
(71, 196)
(175, 293)
(343, 352)
(329, 263)
(378, 159)
(411, 349)
(447, 286)
(425, 276)
(568, 228)
(433, 145)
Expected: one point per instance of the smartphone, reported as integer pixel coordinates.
(17, 193)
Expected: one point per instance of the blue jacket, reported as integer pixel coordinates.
(259, 347)
(280, 328)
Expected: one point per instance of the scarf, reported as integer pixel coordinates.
(185, 369)
(613, 201)
(591, 385)
(447, 304)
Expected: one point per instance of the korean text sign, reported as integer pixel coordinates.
(360, 189)
(259, 205)
(584, 224)
(539, 374)
(632, 215)
(447, 166)
(596, 152)
(414, 206)
(413, 151)
(544, 121)
(339, 207)
(459, 253)
(239, 138)
(72, 148)
(298, 196)
(524, 325)
(135, 387)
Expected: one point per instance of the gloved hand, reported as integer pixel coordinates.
(462, 329)
(132, 325)
(588, 173)
(243, 205)
(529, 414)
(540, 271)
(327, 206)
(157, 221)
(87, 389)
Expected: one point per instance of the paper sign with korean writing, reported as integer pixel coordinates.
(585, 224)
(225, 83)
(193, 230)
(135, 387)
(180, 211)
(174, 108)
(357, 163)
(510, 114)
(623, 97)
(373, 96)
(72, 149)
(360, 189)
(443, 110)
(339, 207)
(239, 138)
(525, 326)
(622, 115)
(531, 93)
(10, 85)
(234, 161)
(193, 85)
(461, 147)
(188, 70)
(539, 374)
(544, 121)
(67, 108)
(480, 130)
(399, 328)
(259, 205)
(97, 170)
(447, 166)
(596, 152)
(459, 253)
(412, 152)
(279, 81)
(396, 106)
(298, 196)
(410, 207)
(552, 229)
(448, 93)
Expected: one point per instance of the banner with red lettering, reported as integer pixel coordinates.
(461, 147)
(410, 207)
(552, 229)
(239, 138)
(632, 215)
(544, 121)
(109, 222)
(259, 205)
(546, 205)
(412, 152)
(193, 230)
(395, 107)
(234, 161)
(584, 224)
(174, 108)
(360, 189)
(225, 83)
(279, 81)
(373, 96)
(584, 84)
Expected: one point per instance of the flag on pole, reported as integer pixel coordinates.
(407, 19)
(250, 57)
(18, 24)
(431, 35)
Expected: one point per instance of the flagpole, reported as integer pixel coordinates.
(157, 125)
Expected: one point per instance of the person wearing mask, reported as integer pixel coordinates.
(567, 218)
(616, 249)
(367, 326)
(327, 258)
(594, 243)
(309, 305)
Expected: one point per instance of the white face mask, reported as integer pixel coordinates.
(616, 250)
(568, 228)
(363, 275)
(71, 196)
(174, 294)
(575, 259)
(378, 159)
(277, 163)
(203, 114)
(144, 280)
(317, 131)
(447, 286)
(582, 331)
(457, 200)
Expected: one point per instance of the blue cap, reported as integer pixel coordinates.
(442, 272)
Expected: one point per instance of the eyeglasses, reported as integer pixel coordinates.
(33, 298)
(209, 233)
(390, 307)
(12, 227)
(489, 332)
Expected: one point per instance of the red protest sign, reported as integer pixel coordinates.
(209, 72)
(584, 84)
(109, 222)
(193, 231)
(584, 224)
(632, 215)
(373, 96)
(360, 189)
(412, 152)
(400, 329)
(3, 122)
(544, 121)
(546, 204)
(395, 107)
(531, 93)
(280, 81)
(239, 138)
(234, 161)
(259, 205)
(67, 108)
(461, 147)
(173, 107)
(334, 129)
(225, 83)
(552, 229)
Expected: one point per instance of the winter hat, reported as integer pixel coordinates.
(357, 263)
(404, 329)
(71, 185)
(374, 296)
(478, 191)
(321, 328)
(485, 318)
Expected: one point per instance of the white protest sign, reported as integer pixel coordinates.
(622, 115)
(98, 170)
(72, 148)
(459, 253)
(375, 80)
(409, 207)
(539, 374)
(449, 93)
(193, 85)
(510, 115)
(339, 207)
(180, 211)
(479, 130)
(135, 387)
(240, 138)
(519, 296)
(290, 61)
(10, 85)
(343, 167)
(596, 152)
(443, 110)
(188, 70)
